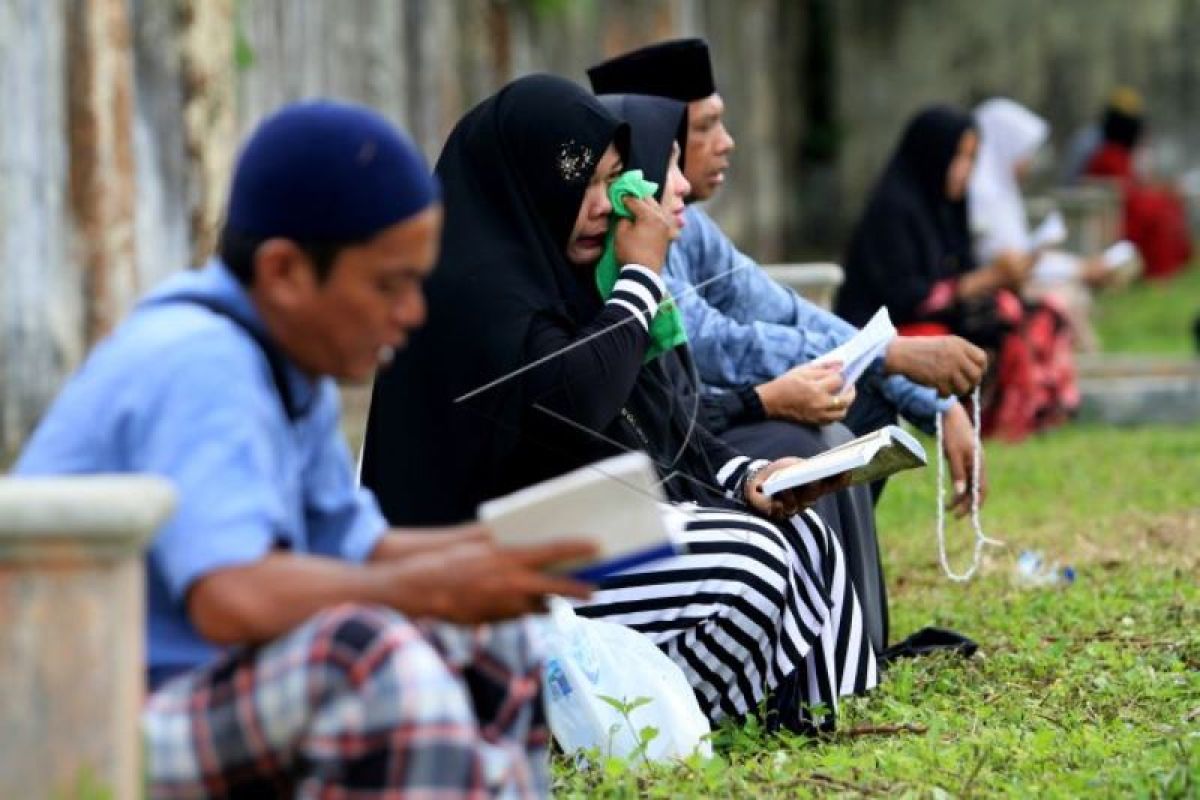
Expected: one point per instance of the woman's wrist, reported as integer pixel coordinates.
(639, 290)
(982, 281)
(751, 474)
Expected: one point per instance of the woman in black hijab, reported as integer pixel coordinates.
(912, 252)
(914, 236)
(549, 377)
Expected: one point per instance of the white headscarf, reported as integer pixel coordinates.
(1008, 134)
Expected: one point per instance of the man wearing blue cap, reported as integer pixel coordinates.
(752, 338)
(291, 638)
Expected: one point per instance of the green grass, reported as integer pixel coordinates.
(1091, 689)
(1151, 317)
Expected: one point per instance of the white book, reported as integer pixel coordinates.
(863, 348)
(868, 458)
(1050, 233)
(616, 503)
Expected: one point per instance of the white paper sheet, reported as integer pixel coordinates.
(859, 352)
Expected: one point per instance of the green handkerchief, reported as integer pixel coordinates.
(666, 327)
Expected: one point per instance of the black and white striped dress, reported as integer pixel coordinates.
(754, 611)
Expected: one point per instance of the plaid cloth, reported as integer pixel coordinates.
(358, 702)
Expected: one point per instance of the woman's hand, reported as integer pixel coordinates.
(1010, 270)
(644, 239)
(1013, 268)
(812, 394)
(791, 502)
(1094, 273)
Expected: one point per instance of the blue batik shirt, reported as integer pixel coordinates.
(182, 392)
(745, 328)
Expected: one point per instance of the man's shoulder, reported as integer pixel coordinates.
(692, 253)
(170, 334)
(152, 363)
(698, 224)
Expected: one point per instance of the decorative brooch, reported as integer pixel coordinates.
(575, 161)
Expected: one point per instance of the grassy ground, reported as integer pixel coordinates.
(1152, 317)
(1093, 688)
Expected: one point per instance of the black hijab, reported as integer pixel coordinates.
(514, 172)
(911, 235)
(655, 124)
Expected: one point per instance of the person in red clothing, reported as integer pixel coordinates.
(1155, 217)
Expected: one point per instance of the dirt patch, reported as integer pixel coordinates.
(1168, 539)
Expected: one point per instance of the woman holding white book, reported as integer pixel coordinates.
(912, 252)
(526, 371)
(1010, 136)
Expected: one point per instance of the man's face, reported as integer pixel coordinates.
(708, 146)
(586, 244)
(350, 323)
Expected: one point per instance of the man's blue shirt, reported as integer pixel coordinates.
(183, 392)
(745, 328)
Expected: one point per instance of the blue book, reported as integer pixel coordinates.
(616, 503)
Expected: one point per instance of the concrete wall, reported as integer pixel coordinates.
(121, 118)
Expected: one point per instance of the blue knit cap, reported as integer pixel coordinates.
(327, 172)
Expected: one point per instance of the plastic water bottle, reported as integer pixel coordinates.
(1033, 571)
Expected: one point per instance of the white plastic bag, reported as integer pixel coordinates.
(587, 660)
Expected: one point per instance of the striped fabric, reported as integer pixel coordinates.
(357, 702)
(758, 615)
(638, 290)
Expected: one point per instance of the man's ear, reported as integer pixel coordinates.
(283, 273)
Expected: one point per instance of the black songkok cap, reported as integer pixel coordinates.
(679, 69)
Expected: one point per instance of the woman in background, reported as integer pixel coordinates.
(1010, 136)
(912, 252)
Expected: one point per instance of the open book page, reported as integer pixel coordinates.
(617, 503)
(868, 458)
(861, 350)
(1050, 233)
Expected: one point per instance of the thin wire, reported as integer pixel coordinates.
(669, 469)
(595, 466)
(981, 539)
(580, 342)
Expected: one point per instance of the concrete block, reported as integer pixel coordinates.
(72, 630)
